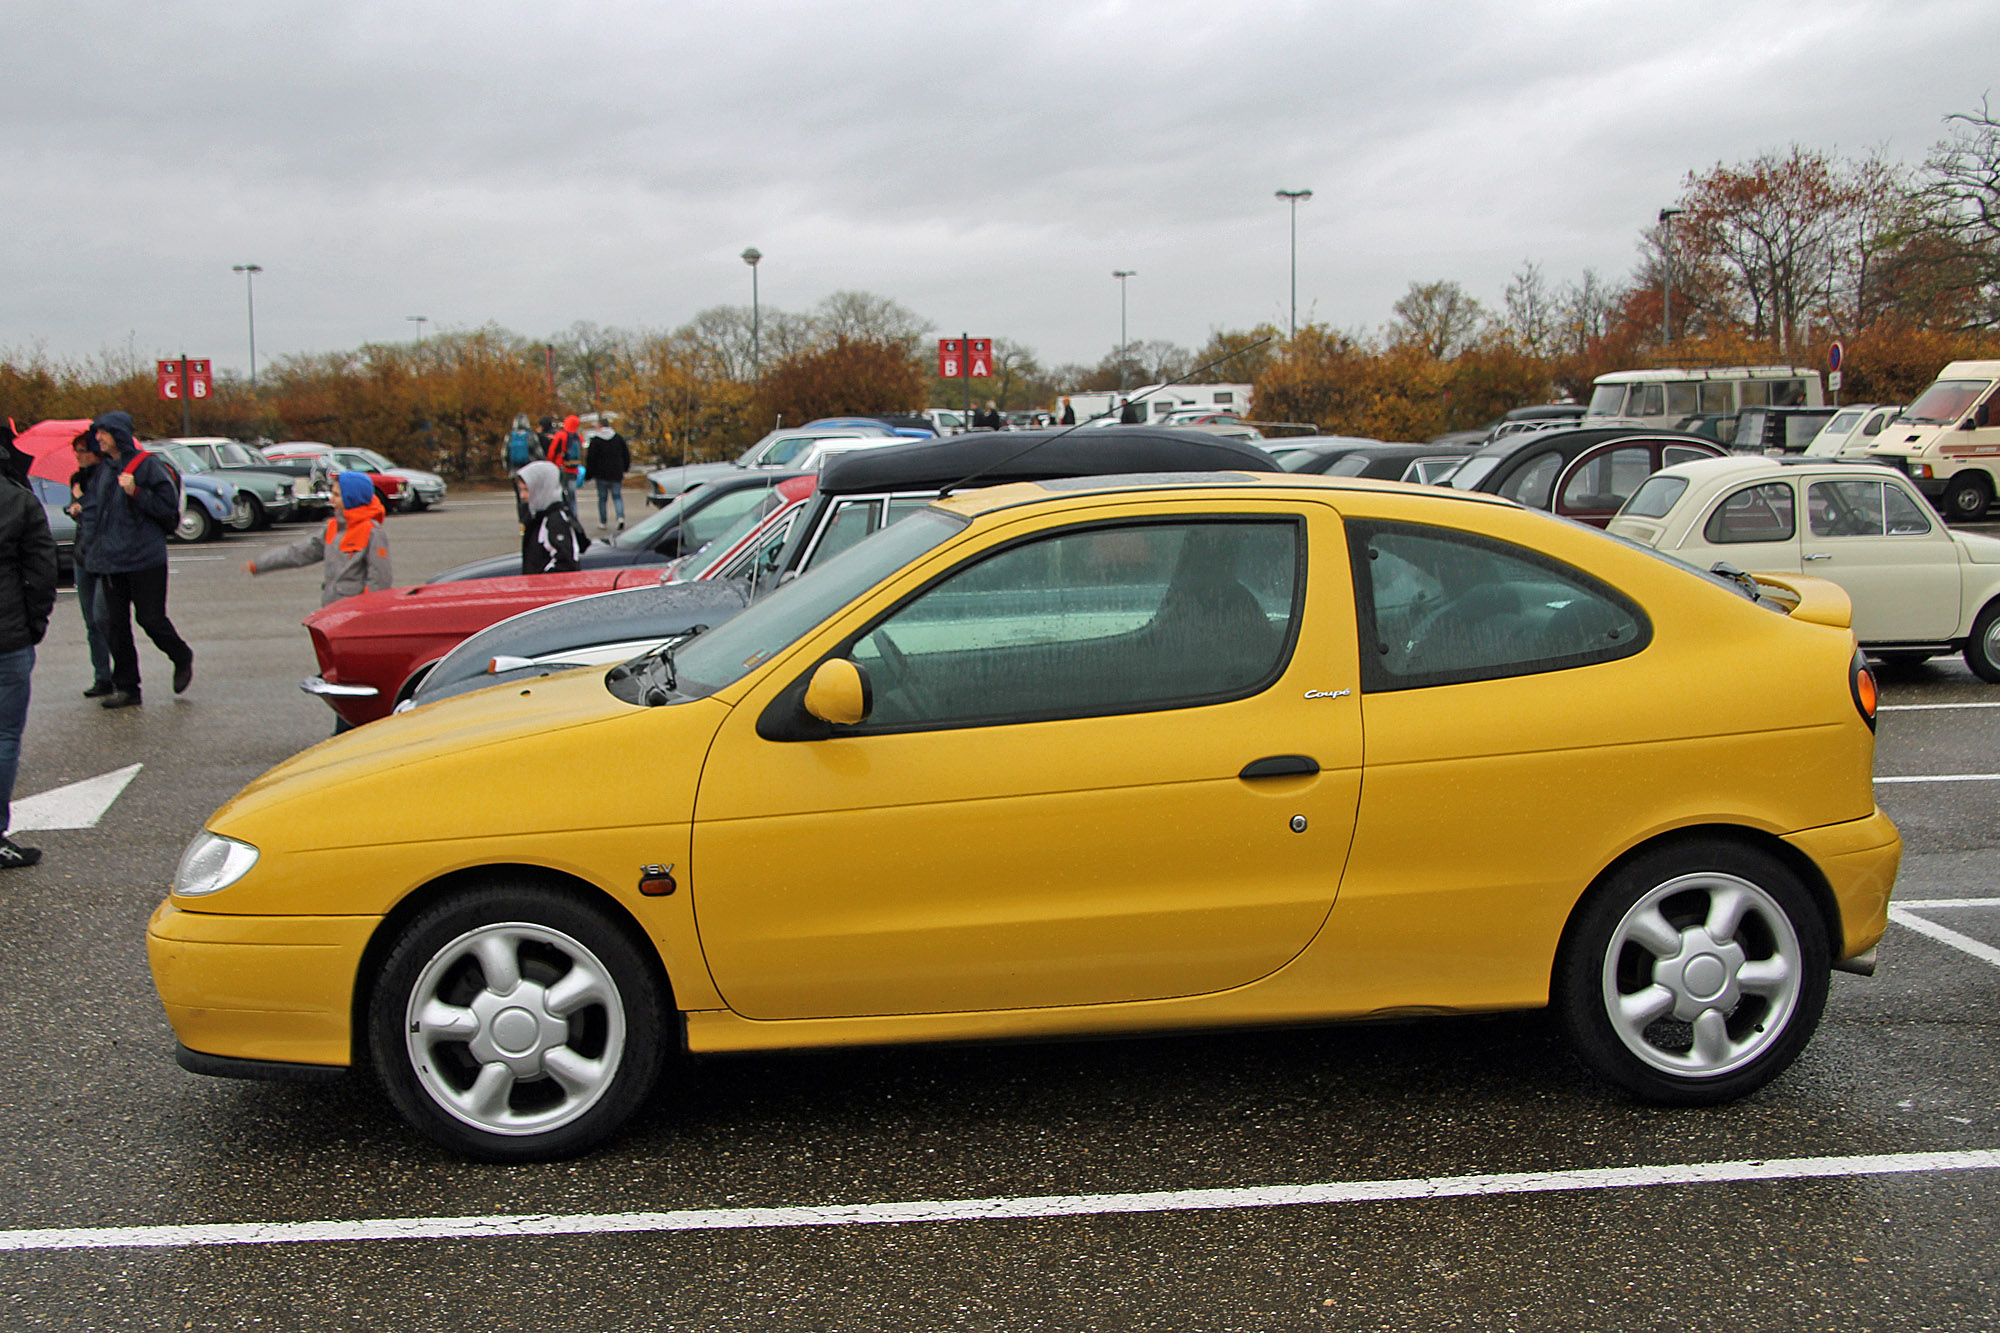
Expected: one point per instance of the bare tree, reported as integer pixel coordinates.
(1956, 234)
(1437, 318)
(864, 316)
(1531, 309)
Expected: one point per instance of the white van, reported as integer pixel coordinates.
(1850, 431)
(1665, 398)
(1949, 440)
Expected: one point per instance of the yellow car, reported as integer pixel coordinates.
(1082, 757)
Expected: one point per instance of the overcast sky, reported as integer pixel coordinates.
(987, 164)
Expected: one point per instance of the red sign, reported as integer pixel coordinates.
(979, 351)
(194, 374)
(951, 352)
(960, 358)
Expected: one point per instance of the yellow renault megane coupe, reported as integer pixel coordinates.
(1080, 757)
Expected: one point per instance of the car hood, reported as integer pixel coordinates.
(1978, 547)
(465, 606)
(487, 764)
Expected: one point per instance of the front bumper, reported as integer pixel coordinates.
(1859, 860)
(272, 989)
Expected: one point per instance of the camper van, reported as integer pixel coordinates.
(1156, 402)
(1948, 440)
(1665, 398)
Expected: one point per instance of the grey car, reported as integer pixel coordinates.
(263, 496)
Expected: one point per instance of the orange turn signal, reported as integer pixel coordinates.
(1861, 683)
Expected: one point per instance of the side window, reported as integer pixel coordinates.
(1682, 400)
(1533, 484)
(760, 561)
(1905, 515)
(1092, 621)
(719, 516)
(1873, 426)
(1605, 480)
(1788, 393)
(1681, 453)
(1441, 607)
(1716, 397)
(1845, 508)
(850, 521)
(1755, 393)
(1654, 404)
(782, 452)
(1754, 514)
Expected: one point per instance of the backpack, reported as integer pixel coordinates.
(520, 449)
(166, 525)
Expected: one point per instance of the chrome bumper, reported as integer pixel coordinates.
(326, 689)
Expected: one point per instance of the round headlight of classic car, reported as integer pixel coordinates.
(212, 862)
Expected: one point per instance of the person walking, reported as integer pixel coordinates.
(27, 596)
(130, 503)
(521, 444)
(989, 418)
(549, 543)
(353, 552)
(89, 586)
(566, 452)
(606, 462)
(1128, 413)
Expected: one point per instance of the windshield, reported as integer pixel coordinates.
(235, 455)
(186, 459)
(1945, 402)
(703, 564)
(1472, 472)
(734, 648)
(1296, 460)
(1833, 434)
(1606, 400)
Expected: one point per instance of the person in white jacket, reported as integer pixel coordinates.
(353, 551)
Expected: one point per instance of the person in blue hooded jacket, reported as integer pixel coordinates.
(353, 552)
(130, 505)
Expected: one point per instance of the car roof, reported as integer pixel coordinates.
(994, 457)
(989, 499)
(1731, 468)
(1581, 437)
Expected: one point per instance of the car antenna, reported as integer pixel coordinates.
(968, 479)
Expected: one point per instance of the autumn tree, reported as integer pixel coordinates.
(847, 377)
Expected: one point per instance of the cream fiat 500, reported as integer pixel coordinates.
(1918, 587)
(1071, 758)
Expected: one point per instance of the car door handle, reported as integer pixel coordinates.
(1820, 555)
(1281, 766)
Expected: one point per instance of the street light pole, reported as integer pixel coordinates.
(1121, 274)
(1667, 216)
(250, 272)
(1293, 197)
(750, 257)
(419, 321)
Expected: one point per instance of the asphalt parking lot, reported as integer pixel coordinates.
(1458, 1173)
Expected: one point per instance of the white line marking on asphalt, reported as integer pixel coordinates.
(1930, 903)
(1925, 708)
(1947, 777)
(1000, 1209)
(1909, 920)
(79, 805)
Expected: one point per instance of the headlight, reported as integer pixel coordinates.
(211, 863)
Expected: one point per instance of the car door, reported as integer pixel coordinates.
(1109, 760)
(1601, 480)
(1754, 527)
(1878, 539)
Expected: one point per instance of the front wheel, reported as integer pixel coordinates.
(248, 516)
(1982, 649)
(517, 1024)
(1966, 497)
(195, 524)
(1695, 974)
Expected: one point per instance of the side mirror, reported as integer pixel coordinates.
(839, 693)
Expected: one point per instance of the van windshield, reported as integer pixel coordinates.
(1606, 400)
(1945, 402)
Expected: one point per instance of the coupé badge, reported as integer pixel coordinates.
(1326, 694)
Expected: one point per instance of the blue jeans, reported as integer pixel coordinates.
(614, 491)
(15, 668)
(90, 601)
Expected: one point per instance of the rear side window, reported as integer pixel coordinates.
(1439, 607)
(1754, 514)
(1655, 497)
(1534, 483)
(1601, 482)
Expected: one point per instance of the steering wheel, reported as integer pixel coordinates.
(902, 680)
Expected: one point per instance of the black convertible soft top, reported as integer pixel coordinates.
(989, 458)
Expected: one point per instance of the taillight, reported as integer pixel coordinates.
(1861, 683)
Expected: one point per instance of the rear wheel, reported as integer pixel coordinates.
(1695, 974)
(1966, 497)
(1982, 650)
(195, 524)
(515, 1023)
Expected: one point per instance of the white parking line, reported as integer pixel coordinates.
(1002, 1209)
(1929, 904)
(1903, 916)
(1947, 777)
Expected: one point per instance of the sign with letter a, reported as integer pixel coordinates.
(980, 352)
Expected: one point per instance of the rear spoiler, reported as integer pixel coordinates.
(1810, 599)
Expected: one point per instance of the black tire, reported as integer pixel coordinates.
(1982, 649)
(1740, 1000)
(507, 1032)
(195, 525)
(250, 515)
(1966, 497)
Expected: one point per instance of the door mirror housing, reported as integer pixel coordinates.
(839, 693)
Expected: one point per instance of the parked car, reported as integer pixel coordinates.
(264, 496)
(1585, 474)
(1777, 430)
(907, 425)
(1851, 430)
(1948, 440)
(797, 450)
(802, 526)
(1918, 588)
(55, 498)
(209, 503)
(1428, 464)
(319, 461)
(689, 521)
(1297, 447)
(1717, 426)
(1073, 760)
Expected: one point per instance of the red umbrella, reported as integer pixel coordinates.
(47, 442)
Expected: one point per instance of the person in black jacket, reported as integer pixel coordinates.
(550, 543)
(89, 586)
(27, 595)
(130, 504)
(606, 462)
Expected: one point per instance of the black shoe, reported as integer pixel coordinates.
(13, 855)
(99, 689)
(183, 674)
(120, 699)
